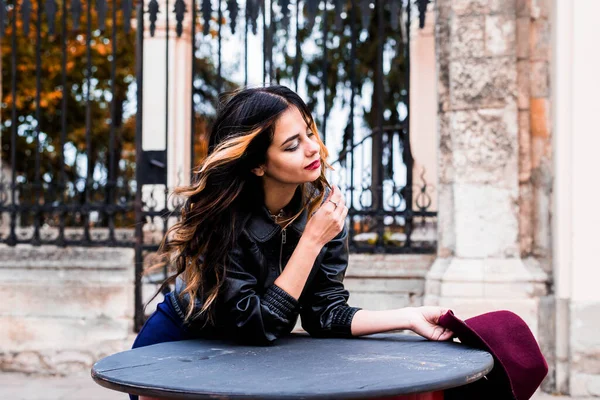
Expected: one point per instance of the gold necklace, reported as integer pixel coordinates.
(275, 217)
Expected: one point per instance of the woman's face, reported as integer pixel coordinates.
(293, 156)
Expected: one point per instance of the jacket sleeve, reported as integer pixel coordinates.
(325, 311)
(249, 316)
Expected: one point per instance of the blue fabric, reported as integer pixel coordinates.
(164, 325)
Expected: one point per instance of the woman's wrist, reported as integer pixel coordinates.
(309, 242)
(405, 318)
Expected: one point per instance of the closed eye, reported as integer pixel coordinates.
(294, 148)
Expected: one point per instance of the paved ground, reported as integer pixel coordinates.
(81, 387)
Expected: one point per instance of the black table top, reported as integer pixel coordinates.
(296, 367)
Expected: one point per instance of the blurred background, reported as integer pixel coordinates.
(462, 133)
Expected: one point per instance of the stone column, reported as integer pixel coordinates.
(577, 216)
(159, 133)
(480, 267)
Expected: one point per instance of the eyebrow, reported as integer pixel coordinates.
(296, 136)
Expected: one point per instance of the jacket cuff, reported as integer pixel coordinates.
(280, 302)
(342, 320)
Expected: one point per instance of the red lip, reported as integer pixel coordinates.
(313, 165)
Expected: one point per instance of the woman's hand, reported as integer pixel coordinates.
(328, 220)
(424, 321)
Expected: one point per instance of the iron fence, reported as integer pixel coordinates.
(72, 165)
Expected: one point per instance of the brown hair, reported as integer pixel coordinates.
(223, 188)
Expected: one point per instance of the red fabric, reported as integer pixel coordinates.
(519, 366)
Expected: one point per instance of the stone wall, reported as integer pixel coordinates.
(63, 308)
(386, 281)
(495, 174)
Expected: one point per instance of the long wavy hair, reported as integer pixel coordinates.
(224, 189)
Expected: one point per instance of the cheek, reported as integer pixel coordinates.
(285, 165)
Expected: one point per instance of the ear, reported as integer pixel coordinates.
(258, 171)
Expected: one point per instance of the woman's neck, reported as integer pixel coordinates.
(278, 196)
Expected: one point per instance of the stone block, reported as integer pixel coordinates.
(520, 290)
(585, 342)
(547, 338)
(467, 37)
(470, 7)
(500, 35)
(524, 147)
(69, 299)
(542, 223)
(381, 301)
(539, 79)
(405, 266)
(445, 165)
(464, 270)
(482, 83)
(486, 221)
(540, 40)
(503, 7)
(539, 117)
(523, 85)
(461, 290)
(385, 285)
(523, 38)
(485, 148)
(442, 53)
(53, 257)
(523, 8)
(19, 334)
(541, 9)
(61, 362)
(525, 218)
(584, 384)
(446, 224)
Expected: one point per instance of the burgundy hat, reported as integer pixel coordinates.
(519, 366)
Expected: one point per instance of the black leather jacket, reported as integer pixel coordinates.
(251, 308)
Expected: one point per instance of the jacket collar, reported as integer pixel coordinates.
(263, 228)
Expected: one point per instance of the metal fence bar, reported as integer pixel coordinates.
(12, 238)
(219, 38)
(112, 172)
(62, 179)
(324, 77)
(88, 124)
(351, 211)
(139, 216)
(379, 90)
(407, 155)
(38, 89)
(192, 82)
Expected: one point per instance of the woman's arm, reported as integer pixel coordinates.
(421, 320)
(322, 228)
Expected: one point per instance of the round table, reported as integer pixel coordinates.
(296, 367)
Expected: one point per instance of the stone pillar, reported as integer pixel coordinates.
(159, 133)
(577, 215)
(480, 266)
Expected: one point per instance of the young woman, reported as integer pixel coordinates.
(262, 239)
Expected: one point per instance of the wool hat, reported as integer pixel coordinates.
(519, 366)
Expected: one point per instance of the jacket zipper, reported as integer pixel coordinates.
(283, 240)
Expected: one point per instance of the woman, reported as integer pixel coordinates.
(262, 239)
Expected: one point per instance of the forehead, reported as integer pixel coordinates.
(289, 123)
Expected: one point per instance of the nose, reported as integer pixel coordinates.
(312, 148)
